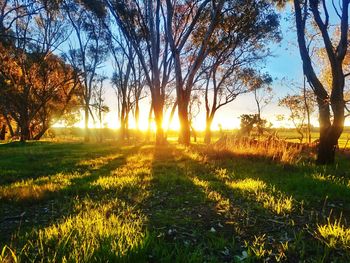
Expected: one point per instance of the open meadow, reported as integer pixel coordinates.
(111, 202)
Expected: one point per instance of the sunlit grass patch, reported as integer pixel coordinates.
(267, 196)
(35, 189)
(106, 230)
(222, 174)
(96, 163)
(257, 248)
(222, 203)
(334, 234)
(332, 179)
(249, 185)
(131, 174)
(278, 204)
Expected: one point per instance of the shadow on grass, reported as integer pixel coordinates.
(165, 204)
(23, 161)
(305, 182)
(192, 207)
(47, 206)
(191, 223)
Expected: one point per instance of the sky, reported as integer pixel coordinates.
(285, 64)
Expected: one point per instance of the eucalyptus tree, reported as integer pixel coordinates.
(38, 87)
(221, 37)
(87, 50)
(142, 23)
(123, 58)
(313, 19)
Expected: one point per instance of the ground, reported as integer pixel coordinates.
(108, 202)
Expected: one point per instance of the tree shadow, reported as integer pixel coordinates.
(304, 181)
(189, 210)
(190, 205)
(57, 203)
(209, 223)
(31, 160)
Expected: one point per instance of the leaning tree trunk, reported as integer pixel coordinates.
(9, 125)
(41, 133)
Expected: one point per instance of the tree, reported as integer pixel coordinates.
(260, 85)
(300, 107)
(123, 59)
(182, 21)
(193, 112)
(89, 52)
(142, 24)
(228, 34)
(128, 80)
(37, 86)
(249, 121)
(99, 103)
(331, 104)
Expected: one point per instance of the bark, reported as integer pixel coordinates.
(185, 127)
(41, 133)
(3, 132)
(158, 116)
(307, 108)
(86, 124)
(9, 125)
(207, 136)
(25, 132)
(137, 115)
(194, 133)
(171, 117)
(148, 135)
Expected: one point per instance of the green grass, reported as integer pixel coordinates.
(142, 203)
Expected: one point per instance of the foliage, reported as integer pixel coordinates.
(251, 121)
(299, 106)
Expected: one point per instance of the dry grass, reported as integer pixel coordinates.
(278, 150)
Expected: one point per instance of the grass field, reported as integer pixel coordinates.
(75, 202)
(77, 134)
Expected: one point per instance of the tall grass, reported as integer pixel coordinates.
(278, 150)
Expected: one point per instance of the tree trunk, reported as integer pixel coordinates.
(185, 127)
(86, 126)
(40, 134)
(25, 132)
(148, 134)
(9, 125)
(171, 118)
(158, 116)
(194, 133)
(122, 127)
(3, 132)
(329, 134)
(127, 135)
(137, 116)
(207, 136)
(307, 108)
